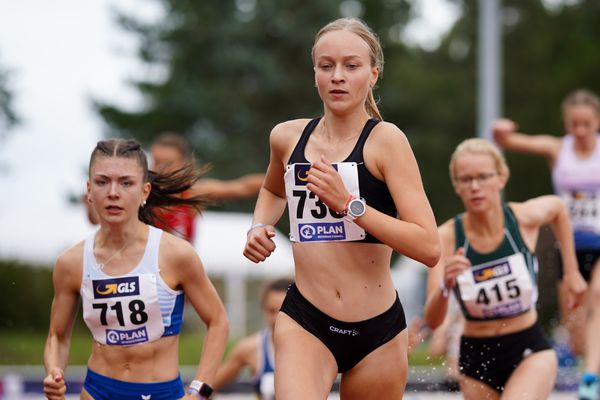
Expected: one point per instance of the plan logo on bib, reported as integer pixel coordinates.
(322, 231)
(122, 338)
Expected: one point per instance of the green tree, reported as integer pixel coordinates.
(235, 69)
(547, 53)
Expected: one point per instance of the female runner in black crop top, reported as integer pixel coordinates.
(343, 314)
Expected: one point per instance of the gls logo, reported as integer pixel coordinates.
(116, 287)
(493, 271)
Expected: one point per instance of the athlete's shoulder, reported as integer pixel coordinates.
(286, 134)
(293, 127)
(176, 249)
(73, 256)
(447, 228)
(68, 269)
(537, 210)
(389, 134)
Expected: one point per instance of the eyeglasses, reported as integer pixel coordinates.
(467, 181)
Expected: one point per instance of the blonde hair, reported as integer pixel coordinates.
(480, 146)
(361, 29)
(581, 97)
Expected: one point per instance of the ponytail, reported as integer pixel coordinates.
(166, 188)
(371, 106)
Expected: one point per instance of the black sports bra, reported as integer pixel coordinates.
(374, 191)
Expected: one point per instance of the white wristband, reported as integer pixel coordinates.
(444, 289)
(253, 227)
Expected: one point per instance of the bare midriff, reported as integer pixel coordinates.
(149, 362)
(500, 326)
(347, 281)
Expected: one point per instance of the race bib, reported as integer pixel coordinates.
(310, 219)
(122, 311)
(497, 289)
(584, 209)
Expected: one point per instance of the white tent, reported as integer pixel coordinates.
(410, 279)
(220, 240)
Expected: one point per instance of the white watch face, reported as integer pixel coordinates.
(356, 207)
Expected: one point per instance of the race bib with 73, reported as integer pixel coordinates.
(310, 219)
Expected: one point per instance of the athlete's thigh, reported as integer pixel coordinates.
(534, 377)
(472, 389)
(380, 375)
(304, 366)
(85, 395)
(594, 285)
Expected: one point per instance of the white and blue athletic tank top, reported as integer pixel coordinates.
(264, 378)
(577, 182)
(137, 307)
(499, 284)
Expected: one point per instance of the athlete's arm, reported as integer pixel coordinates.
(216, 189)
(506, 136)
(244, 354)
(271, 201)
(185, 266)
(551, 210)
(414, 234)
(436, 305)
(441, 279)
(66, 279)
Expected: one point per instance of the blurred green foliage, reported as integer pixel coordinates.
(25, 297)
(233, 69)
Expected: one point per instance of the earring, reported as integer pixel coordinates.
(144, 203)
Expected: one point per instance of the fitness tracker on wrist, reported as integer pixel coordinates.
(356, 208)
(203, 390)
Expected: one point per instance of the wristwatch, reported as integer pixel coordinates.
(201, 389)
(356, 208)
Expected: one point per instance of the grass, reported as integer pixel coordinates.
(27, 348)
